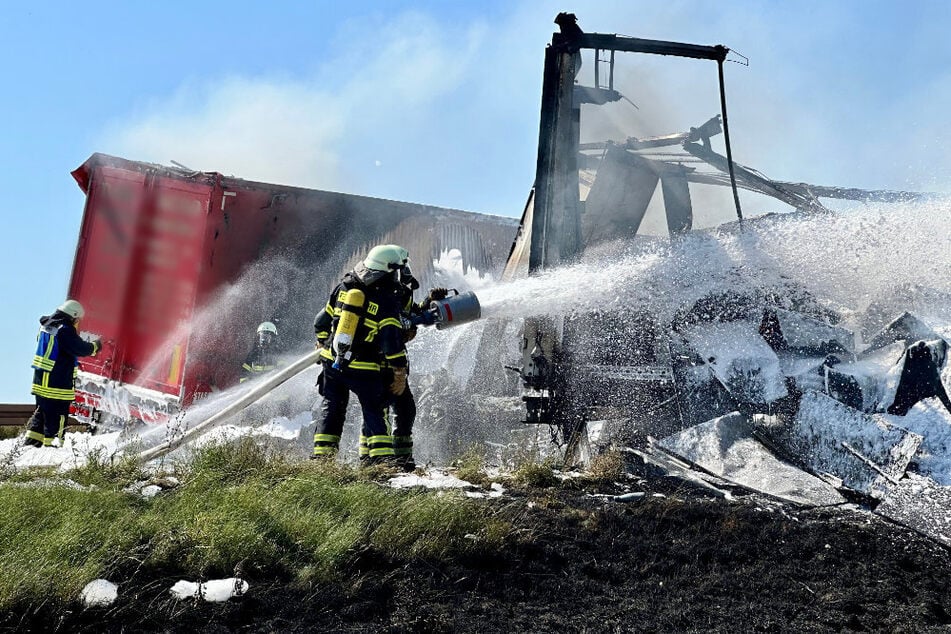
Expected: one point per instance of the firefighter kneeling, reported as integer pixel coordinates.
(359, 333)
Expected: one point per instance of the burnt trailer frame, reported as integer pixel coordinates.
(556, 220)
(555, 209)
(551, 233)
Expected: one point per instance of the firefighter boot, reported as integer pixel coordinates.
(403, 450)
(405, 463)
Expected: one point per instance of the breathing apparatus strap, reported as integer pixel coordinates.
(342, 305)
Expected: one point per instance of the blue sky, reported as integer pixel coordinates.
(432, 102)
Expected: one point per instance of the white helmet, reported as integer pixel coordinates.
(267, 326)
(386, 258)
(72, 308)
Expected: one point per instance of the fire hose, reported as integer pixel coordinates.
(269, 383)
(451, 311)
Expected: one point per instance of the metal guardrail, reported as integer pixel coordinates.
(15, 415)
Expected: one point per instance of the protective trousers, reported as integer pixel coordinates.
(48, 422)
(404, 415)
(336, 385)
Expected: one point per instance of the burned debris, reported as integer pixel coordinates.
(761, 384)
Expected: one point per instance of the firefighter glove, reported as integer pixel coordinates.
(409, 334)
(398, 386)
(436, 294)
(96, 346)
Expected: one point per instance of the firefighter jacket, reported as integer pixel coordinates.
(413, 314)
(379, 337)
(55, 363)
(260, 360)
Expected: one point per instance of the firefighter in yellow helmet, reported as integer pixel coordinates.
(359, 333)
(58, 345)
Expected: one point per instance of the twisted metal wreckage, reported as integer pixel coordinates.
(760, 390)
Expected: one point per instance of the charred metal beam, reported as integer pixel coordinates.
(703, 133)
(723, 180)
(677, 203)
(746, 176)
(799, 195)
(864, 195)
(556, 223)
(611, 42)
(595, 96)
(633, 143)
(815, 191)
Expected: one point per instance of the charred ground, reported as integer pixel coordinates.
(677, 559)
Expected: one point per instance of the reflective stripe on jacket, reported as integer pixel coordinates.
(379, 337)
(55, 363)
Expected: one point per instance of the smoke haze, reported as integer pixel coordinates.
(411, 108)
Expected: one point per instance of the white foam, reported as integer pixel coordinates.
(214, 591)
(99, 593)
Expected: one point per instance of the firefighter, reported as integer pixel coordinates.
(261, 358)
(55, 366)
(403, 405)
(358, 332)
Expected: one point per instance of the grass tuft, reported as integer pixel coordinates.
(606, 467)
(535, 474)
(471, 467)
(105, 470)
(10, 431)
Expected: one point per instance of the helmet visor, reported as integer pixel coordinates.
(265, 337)
(406, 278)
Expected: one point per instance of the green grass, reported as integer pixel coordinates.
(10, 431)
(471, 467)
(532, 474)
(236, 504)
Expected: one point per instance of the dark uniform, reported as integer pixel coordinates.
(404, 405)
(378, 343)
(55, 366)
(259, 361)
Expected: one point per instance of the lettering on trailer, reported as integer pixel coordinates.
(164, 301)
(166, 295)
(171, 202)
(115, 208)
(122, 192)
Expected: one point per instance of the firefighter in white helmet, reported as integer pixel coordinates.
(261, 359)
(359, 333)
(403, 406)
(55, 364)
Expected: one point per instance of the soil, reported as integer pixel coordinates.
(674, 560)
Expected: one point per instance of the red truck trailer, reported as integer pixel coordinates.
(176, 268)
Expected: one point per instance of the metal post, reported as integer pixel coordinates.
(556, 235)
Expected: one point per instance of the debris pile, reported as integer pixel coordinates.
(789, 405)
